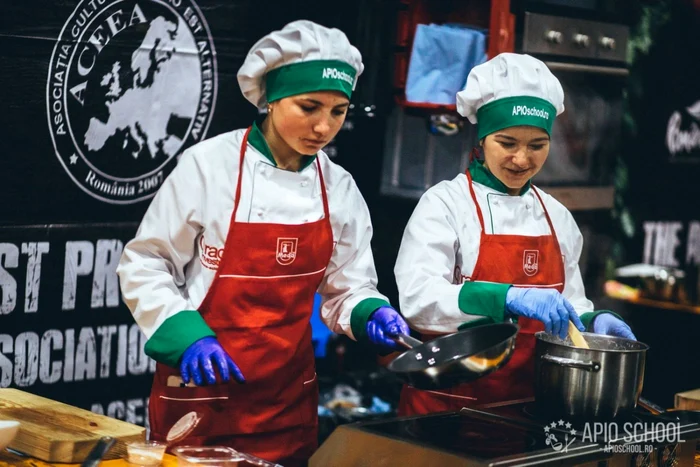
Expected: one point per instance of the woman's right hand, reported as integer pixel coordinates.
(198, 358)
(546, 305)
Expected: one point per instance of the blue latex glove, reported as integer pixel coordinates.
(607, 324)
(546, 305)
(385, 322)
(198, 358)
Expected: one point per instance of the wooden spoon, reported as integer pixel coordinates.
(576, 337)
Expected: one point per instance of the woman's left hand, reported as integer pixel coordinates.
(607, 324)
(383, 323)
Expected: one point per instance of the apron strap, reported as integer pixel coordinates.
(237, 200)
(326, 211)
(476, 203)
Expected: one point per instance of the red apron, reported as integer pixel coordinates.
(260, 306)
(511, 259)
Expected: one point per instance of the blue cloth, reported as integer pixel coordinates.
(441, 59)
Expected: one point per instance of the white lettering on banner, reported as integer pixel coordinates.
(26, 359)
(78, 262)
(660, 243)
(50, 372)
(81, 259)
(9, 258)
(334, 73)
(678, 140)
(34, 250)
(106, 333)
(85, 356)
(693, 246)
(105, 280)
(132, 410)
(55, 356)
(530, 111)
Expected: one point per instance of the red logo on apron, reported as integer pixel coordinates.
(286, 250)
(531, 262)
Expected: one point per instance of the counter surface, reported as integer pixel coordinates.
(10, 459)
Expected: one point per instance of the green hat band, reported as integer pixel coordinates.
(515, 111)
(317, 75)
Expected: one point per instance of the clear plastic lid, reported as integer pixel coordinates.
(183, 427)
(208, 454)
(217, 455)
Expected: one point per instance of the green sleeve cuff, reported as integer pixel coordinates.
(360, 316)
(587, 318)
(487, 299)
(173, 337)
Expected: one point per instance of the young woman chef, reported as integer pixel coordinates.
(487, 246)
(222, 273)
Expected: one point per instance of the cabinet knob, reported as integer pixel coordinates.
(607, 42)
(555, 37)
(581, 40)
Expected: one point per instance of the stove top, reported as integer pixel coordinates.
(511, 433)
(638, 426)
(485, 439)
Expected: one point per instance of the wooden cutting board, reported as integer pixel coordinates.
(688, 400)
(56, 432)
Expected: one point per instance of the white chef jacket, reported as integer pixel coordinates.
(440, 247)
(170, 264)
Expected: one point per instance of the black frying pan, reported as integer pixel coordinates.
(457, 358)
(682, 416)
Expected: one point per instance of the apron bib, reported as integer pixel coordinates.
(259, 305)
(524, 261)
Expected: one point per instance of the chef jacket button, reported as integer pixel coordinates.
(527, 206)
(304, 183)
(260, 213)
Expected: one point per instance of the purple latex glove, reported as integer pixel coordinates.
(198, 358)
(384, 322)
(546, 305)
(607, 324)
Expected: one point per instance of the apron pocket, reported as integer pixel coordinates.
(211, 403)
(308, 403)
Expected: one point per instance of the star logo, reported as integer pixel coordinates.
(557, 438)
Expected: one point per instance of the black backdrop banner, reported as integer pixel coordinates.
(99, 98)
(66, 334)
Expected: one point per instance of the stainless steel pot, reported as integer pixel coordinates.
(588, 384)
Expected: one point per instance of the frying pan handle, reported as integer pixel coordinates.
(650, 406)
(407, 341)
(571, 363)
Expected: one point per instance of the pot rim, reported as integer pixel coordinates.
(643, 347)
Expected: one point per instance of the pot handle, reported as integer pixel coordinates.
(571, 363)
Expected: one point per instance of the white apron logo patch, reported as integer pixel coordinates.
(286, 250)
(531, 260)
(130, 85)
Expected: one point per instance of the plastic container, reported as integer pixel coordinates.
(219, 456)
(145, 453)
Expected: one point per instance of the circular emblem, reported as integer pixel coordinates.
(131, 84)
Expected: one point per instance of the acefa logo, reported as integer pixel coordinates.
(130, 85)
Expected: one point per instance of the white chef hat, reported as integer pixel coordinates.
(511, 90)
(301, 57)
